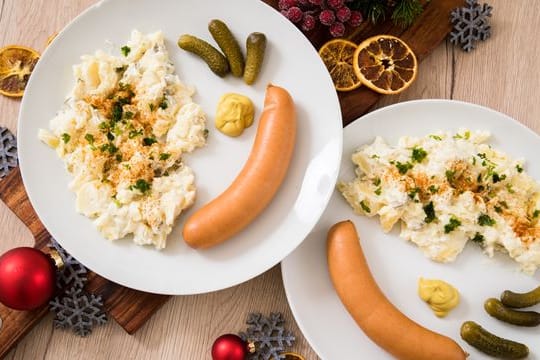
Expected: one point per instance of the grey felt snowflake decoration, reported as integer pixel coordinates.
(8, 151)
(74, 273)
(470, 24)
(268, 335)
(78, 310)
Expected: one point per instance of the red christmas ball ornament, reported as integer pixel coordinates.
(229, 347)
(27, 278)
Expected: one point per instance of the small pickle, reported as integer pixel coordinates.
(255, 49)
(490, 344)
(521, 300)
(234, 113)
(228, 44)
(496, 309)
(213, 58)
(439, 295)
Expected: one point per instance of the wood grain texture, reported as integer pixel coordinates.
(501, 74)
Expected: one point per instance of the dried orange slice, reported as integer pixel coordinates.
(16, 65)
(338, 56)
(385, 64)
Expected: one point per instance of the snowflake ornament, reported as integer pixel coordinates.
(73, 274)
(8, 151)
(268, 335)
(470, 24)
(79, 311)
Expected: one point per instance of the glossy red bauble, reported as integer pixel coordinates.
(27, 278)
(229, 347)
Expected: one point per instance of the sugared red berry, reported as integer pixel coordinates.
(335, 4)
(343, 14)
(295, 14)
(356, 18)
(337, 29)
(308, 23)
(327, 17)
(286, 4)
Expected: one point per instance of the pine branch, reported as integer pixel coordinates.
(406, 11)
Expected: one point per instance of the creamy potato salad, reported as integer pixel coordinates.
(122, 132)
(448, 189)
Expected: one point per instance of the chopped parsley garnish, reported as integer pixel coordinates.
(374, 156)
(474, 160)
(148, 141)
(65, 138)
(109, 147)
(435, 137)
(364, 206)
(128, 115)
(433, 189)
(135, 133)
(479, 178)
(510, 188)
(498, 209)
(163, 104)
(503, 204)
(450, 174)
(466, 135)
(89, 138)
(413, 192)
(378, 191)
(478, 238)
(152, 107)
(377, 181)
(485, 220)
(519, 168)
(496, 177)
(536, 213)
(116, 112)
(429, 210)
(403, 167)
(125, 50)
(205, 133)
(418, 154)
(452, 225)
(119, 157)
(110, 136)
(142, 185)
(121, 69)
(164, 156)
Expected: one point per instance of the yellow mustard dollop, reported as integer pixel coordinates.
(439, 295)
(234, 113)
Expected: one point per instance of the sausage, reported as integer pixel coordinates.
(380, 320)
(257, 183)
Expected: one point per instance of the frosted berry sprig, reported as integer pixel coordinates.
(335, 14)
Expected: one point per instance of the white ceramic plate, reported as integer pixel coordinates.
(290, 62)
(397, 265)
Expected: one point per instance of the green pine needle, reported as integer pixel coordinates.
(406, 11)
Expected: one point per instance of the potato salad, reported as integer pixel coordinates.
(448, 189)
(122, 132)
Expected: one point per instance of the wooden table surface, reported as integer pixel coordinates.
(503, 73)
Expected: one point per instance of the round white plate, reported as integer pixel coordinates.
(290, 62)
(396, 264)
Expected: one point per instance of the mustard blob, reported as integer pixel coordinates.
(234, 113)
(439, 295)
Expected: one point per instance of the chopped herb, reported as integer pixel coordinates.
(116, 112)
(127, 166)
(457, 136)
(110, 136)
(496, 177)
(519, 168)
(479, 178)
(466, 135)
(378, 191)
(116, 201)
(152, 107)
(135, 133)
(418, 154)
(504, 204)
(125, 50)
(474, 160)
(450, 174)
(452, 225)
(485, 220)
(148, 141)
(163, 104)
(374, 156)
(364, 207)
(128, 115)
(480, 188)
(142, 185)
(377, 181)
(65, 138)
(478, 238)
(510, 188)
(205, 133)
(429, 210)
(403, 167)
(536, 213)
(119, 157)
(121, 69)
(164, 156)
(413, 192)
(435, 137)
(104, 125)
(498, 209)
(433, 189)
(89, 138)
(482, 156)
(108, 147)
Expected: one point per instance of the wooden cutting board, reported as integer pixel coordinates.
(131, 308)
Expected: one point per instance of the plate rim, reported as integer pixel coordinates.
(286, 285)
(231, 283)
